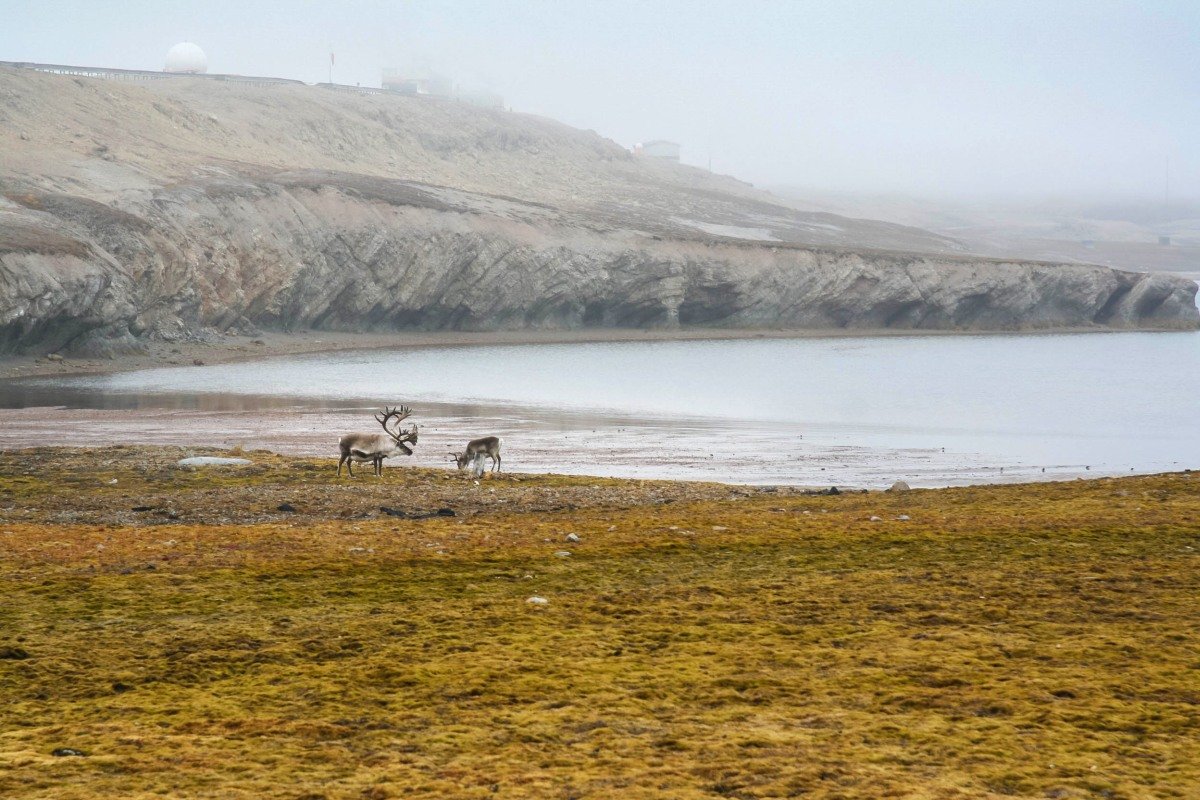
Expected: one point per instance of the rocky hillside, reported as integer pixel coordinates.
(186, 206)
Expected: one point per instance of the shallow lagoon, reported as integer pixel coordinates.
(933, 410)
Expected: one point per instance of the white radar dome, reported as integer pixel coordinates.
(187, 58)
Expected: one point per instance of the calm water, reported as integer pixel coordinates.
(932, 410)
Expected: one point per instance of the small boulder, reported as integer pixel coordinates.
(899, 486)
(876, 519)
(287, 507)
(572, 537)
(903, 518)
(563, 553)
(212, 461)
(54, 357)
(538, 601)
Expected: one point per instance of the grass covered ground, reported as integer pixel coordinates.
(699, 640)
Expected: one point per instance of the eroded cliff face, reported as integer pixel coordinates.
(325, 250)
(181, 207)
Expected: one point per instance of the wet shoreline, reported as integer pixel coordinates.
(535, 441)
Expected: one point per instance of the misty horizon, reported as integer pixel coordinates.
(1080, 102)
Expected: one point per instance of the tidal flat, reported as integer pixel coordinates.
(268, 631)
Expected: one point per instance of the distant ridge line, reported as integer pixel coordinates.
(113, 73)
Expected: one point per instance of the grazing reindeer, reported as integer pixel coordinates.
(476, 450)
(375, 447)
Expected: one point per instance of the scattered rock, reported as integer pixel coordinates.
(719, 528)
(876, 519)
(211, 461)
(899, 486)
(141, 508)
(538, 601)
(402, 514)
(197, 362)
(903, 518)
(288, 507)
(563, 553)
(572, 537)
(67, 751)
(13, 653)
(54, 357)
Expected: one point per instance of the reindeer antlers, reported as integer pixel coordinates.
(401, 413)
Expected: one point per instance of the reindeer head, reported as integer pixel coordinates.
(400, 435)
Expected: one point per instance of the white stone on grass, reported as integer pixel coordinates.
(212, 461)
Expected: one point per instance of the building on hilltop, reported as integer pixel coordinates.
(658, 148)
(426, 83)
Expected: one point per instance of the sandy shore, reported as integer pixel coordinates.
(225, 349)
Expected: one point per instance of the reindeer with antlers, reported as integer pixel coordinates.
(375, 447)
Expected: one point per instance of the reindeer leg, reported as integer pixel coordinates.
(341, 461)
(379, 468)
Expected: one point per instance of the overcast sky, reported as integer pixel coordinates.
(1050, 98)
